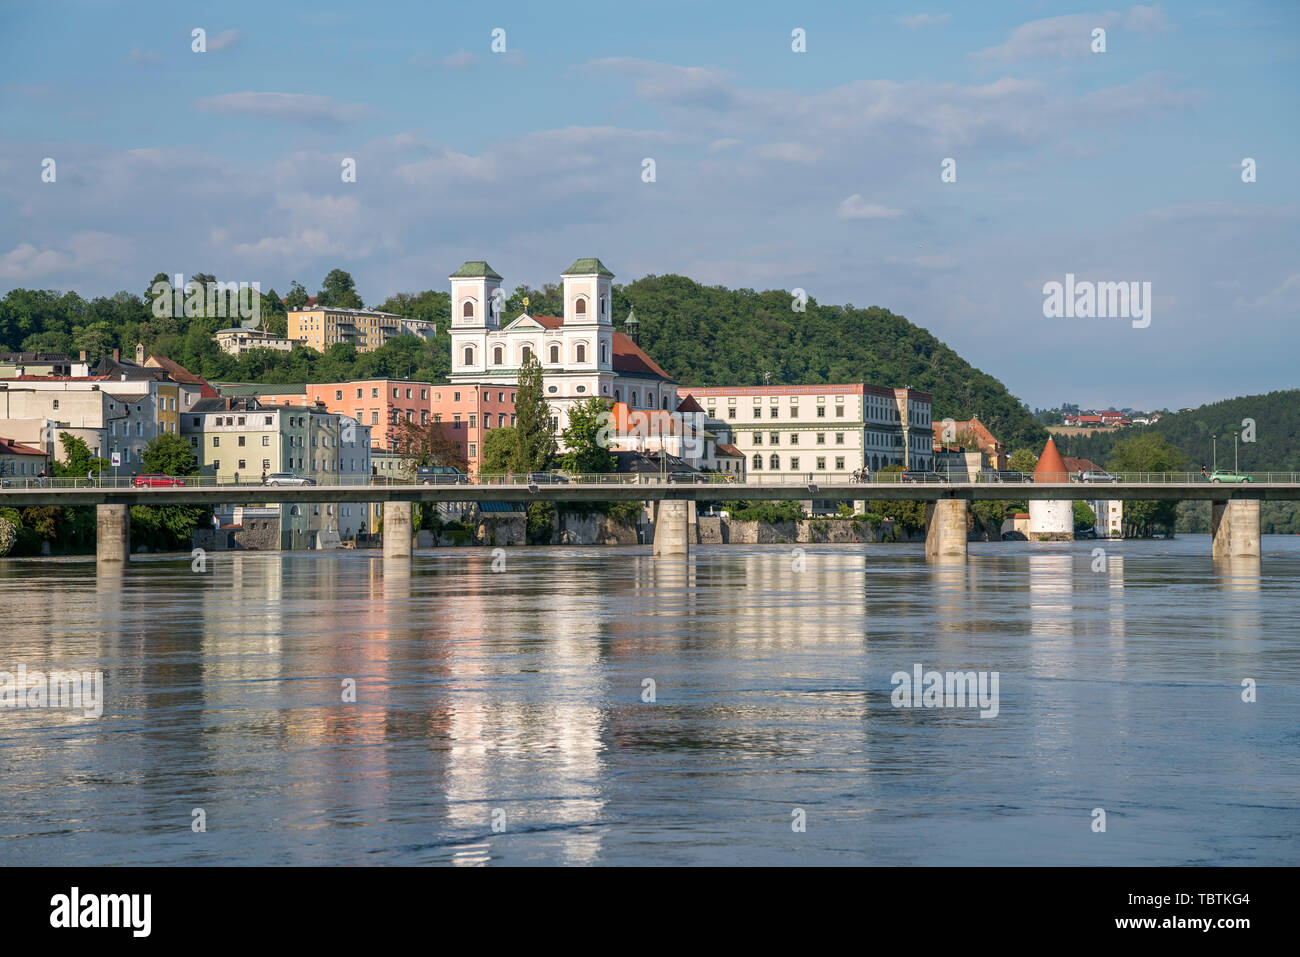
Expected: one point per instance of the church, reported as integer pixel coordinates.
(581, 353)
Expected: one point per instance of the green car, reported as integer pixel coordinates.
(1224, 475)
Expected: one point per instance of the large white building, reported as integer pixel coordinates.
(581, 353)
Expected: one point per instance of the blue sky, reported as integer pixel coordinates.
(774, 169)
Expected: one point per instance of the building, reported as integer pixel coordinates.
(40, 363)
(107, 414)
(1051, 520)
(238, 340)
(1109, 512)
(18, 461)
(969, 435)
(322, 326)
(821, 429)
(581, 354)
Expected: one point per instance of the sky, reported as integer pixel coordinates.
(773, 168)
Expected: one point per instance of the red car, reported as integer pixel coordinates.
(156, 480)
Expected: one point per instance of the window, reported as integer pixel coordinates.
(498, 355)
(839, 462)
(794, 411)
(455, 397)
(731, 413)
(467, 310)
(374, 393)
(794, 463)
(374, 416)
(338, 393)
(580, 353)
(839, 412)
(395, 394)
(473, 450)
(196, 421)
(758, 411)
(758, 462)
(408, 391)
(821, 411)
(758, 438)
(266, 440)
(821, 463)
(56, 405)
(839, 438)
(242, 464)
(775, 462)
(240, 443)
(216, 441)
(216, 465)
(794, 438)
(821, 438)
(473, 420)
(772, 412)
(555, 354)
(270, 420)
(580, 307)
(526, 353)
(501, 396)
(774, 438)
(603, 353)
(358, 393)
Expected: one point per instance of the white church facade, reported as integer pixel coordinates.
(581, 353)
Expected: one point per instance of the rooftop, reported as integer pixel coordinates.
(476, 269)
(587, 267)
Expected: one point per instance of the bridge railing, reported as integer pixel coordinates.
(806, 484)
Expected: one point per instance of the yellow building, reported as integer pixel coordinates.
(321, 327)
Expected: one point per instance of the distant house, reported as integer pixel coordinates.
(21, 461)
(969, 435)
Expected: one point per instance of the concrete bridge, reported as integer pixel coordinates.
(1236, 530)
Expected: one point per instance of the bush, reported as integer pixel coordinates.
(8, 536)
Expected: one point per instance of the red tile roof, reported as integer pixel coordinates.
(689, 404)
(1050, 467)
(730, 450)
(629, 358)
(550, 322)
(10, 447)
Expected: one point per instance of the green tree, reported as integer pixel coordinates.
(1084, 517)
(171, 455)
(1022, 460)
(498, 451)
(1148, 452)
(586, 438)
(77, 460)
(339, 290)
(906, 514)
(534, 431)
(297, 297)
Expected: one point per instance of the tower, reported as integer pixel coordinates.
(1051, 520)
(476, 303)
(588, 317)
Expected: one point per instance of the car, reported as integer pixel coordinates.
(440, 475)
(287, 478)
(1097, 475)
(156, 480)
(1226, 475)
(546, 478)
(916, 475)
(1003, 475)
(686, 478)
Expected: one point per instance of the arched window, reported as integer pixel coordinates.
(555, 355)
(603, 354)
(580, 307)
(758, 462)
(525, 353)
(469, 355)
(634, 398)
(775, 462)
(580, 353)
(618, 395)
(467, 310)
(498, 355)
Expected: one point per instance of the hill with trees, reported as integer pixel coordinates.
(700, 334)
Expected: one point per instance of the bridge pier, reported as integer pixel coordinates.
(1235, 527)
(397, 530)
(672, 529)
(112, 534)
(945, 529)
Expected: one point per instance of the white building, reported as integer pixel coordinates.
(580, 352)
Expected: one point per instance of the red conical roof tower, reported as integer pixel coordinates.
(1050, 467)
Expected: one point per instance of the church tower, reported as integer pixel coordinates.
(588, 316)
(476, 304)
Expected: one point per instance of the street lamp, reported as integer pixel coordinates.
(1214, 439)
(1234, 450)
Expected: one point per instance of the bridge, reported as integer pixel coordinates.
(1235, 509)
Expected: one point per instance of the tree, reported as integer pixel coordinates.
(77, 460)
(297, 297)
(170, 455)
(586, 453)
(498, 451)
(1148, 452)
(339, 290)
(534, 430)
(428, 444)
(1022, 460)
(906, 514)
(1084, 517)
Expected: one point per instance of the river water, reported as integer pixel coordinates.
(501, 714)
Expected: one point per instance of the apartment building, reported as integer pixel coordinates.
(237, 340)
(109, 415)
(321, 327)
(820, 429)
(469, 412)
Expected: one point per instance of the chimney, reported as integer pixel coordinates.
(117, 356)
(83, 355)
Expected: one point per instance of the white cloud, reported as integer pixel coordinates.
(86, 251)
(138, 57)
(226, 40)
(854, 208)
(1070, 36)
(789, 152)
(460, 60)
(283, 107)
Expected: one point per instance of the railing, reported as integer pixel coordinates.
(809, 483)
